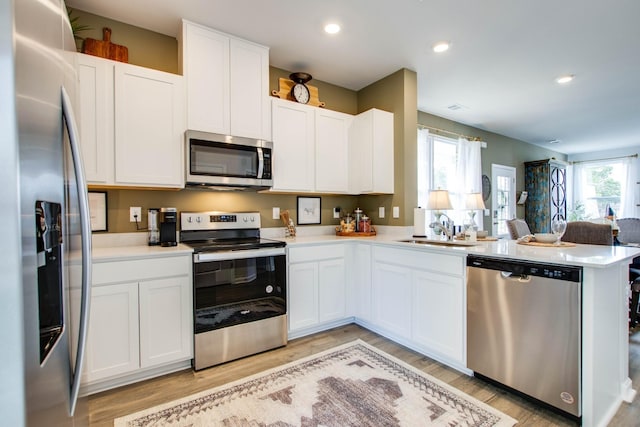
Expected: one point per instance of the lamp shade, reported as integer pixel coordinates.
(474, 201)
(439, 200)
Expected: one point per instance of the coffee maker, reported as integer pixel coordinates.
(168, 226)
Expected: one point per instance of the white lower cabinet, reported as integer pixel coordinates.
(141, 317)
(317, 287)
(418, 297)
(391, 298)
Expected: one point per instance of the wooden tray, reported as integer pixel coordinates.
(285, 86)
(549, 245)
(481, 239)
(355, 233)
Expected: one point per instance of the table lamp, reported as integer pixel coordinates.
(473, 202)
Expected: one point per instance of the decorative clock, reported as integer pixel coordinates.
(300, 91)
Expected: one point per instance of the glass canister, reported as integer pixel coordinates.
(365, 224)
(358, 217)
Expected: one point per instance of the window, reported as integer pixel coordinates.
(600, 185)
(437, 168)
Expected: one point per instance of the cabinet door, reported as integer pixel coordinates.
(165, 321)
(206, 70)
(371, 153)
(112, 346)
(332, 288)
(332, 151)
(149, 127)
(250, 108)
(391, 298)
(96, 117)
(303, 295)
(438, 313)
(293, 146)
(361, 268)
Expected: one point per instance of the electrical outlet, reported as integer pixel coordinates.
(381, 212)
(276, 213)
(135, 212)
(336, 212)
(396, 211)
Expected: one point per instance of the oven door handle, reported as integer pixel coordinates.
(239, 254)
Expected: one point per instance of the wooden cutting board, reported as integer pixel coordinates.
(104, 48)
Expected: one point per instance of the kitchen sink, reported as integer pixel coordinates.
(430, 242)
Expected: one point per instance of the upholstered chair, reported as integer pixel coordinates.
(628, 230)
(517, 228)
(588, 233)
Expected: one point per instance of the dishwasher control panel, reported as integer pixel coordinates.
(525, 268)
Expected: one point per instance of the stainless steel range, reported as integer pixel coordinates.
(239, 285)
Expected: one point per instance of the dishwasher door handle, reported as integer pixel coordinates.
(522, 278)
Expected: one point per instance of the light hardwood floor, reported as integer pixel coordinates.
(105, 407)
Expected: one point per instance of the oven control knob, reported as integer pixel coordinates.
(189, 219)
(245, 219)
(269, 289)
(198, 219)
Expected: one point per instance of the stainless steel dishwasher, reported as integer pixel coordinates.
(524, 328)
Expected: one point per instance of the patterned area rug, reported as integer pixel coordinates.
(351, 385)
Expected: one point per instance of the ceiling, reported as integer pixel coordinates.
(501, 68)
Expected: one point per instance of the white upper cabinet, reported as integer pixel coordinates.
(132, 124)
(371, 152)
(227, 82)
(293, 146)
(325, 151)
(96, 118)
(332, 151)
(149, 127)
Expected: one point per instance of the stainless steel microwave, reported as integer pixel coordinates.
(224, 161)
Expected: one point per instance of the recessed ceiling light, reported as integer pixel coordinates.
(332, 28)
(441, 47)
(564, 79)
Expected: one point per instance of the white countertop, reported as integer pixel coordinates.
(581, 255)
(109, 247)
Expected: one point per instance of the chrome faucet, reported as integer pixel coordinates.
(447, 230)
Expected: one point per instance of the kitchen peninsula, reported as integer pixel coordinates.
(416, 295)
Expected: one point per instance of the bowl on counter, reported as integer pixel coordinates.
(545, 237)
(481, 234)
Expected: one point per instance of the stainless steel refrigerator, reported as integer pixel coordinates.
(44, 220)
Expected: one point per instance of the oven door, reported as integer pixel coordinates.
(236, 287)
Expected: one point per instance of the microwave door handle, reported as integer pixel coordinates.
(260, 162)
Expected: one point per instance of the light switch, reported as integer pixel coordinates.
(276, 213)
(381, 212)
(396, 211)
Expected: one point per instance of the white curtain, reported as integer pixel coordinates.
(424, 166)
(629, 193)
(469, 171)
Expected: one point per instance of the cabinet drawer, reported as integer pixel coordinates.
(442, 263)
(140, 269)
(316, 253)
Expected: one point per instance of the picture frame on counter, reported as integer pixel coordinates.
(98, 210)
(308, 210)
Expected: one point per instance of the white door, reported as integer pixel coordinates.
(503, 198)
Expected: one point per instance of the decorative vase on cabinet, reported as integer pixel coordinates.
(546, 183)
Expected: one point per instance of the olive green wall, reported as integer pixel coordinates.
(500, 150)
(145, 48)
(396, 93)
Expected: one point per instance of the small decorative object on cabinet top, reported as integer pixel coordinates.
(298, 90)
(104, 48)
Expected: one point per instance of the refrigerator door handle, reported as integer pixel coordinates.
(85, 226)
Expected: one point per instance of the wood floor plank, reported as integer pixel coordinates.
(106, 406)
